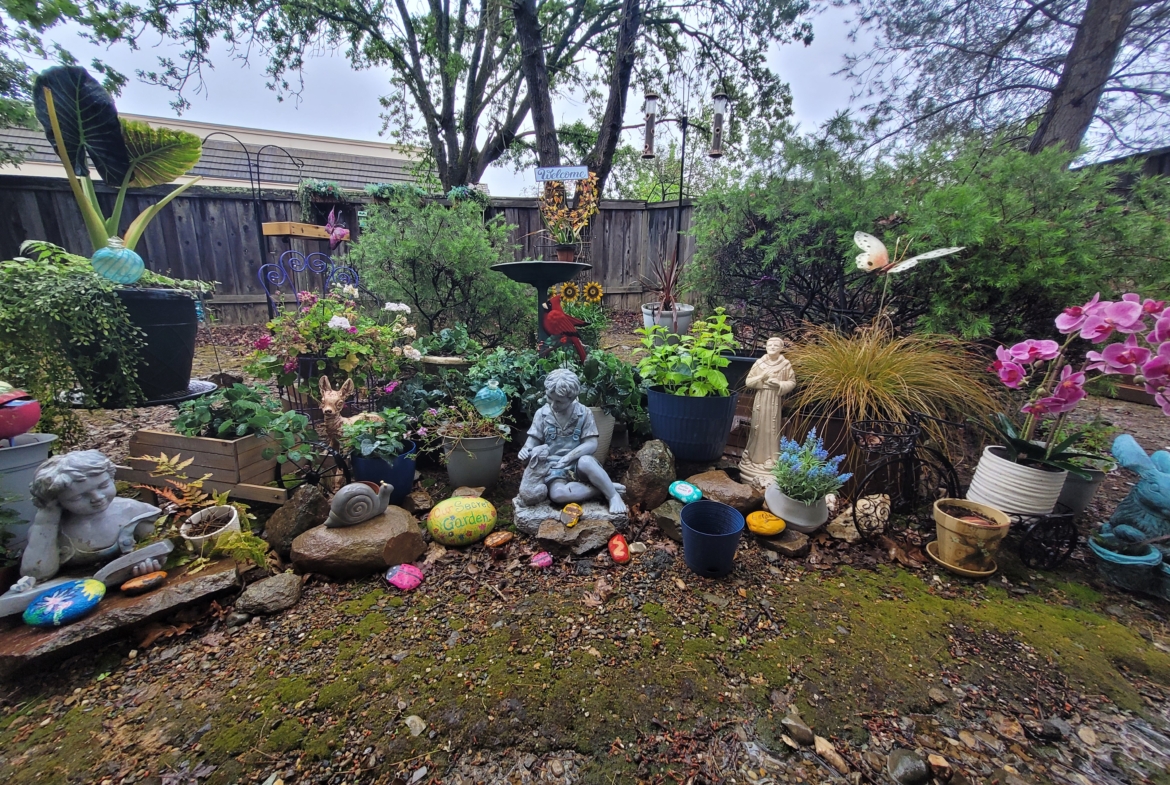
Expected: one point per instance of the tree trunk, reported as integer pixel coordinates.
(532, 63)
(1087, 68)
(600, 158)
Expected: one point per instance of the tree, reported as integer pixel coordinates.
(1059, 69)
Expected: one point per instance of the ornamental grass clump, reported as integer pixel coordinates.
(805, 472)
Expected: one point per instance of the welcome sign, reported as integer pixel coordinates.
(547, 173)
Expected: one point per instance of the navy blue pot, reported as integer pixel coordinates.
(710, 534)
(695, 429)
(399, 472)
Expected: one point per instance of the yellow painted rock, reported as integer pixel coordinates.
(461, 520)
(765, 523)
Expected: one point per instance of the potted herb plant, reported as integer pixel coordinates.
(472, 445)
(380, 452)
(82, 123)
(804, 475)
(690, 407)
(1026, 474)
(564, 225)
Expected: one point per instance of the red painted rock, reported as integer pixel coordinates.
(144, 583)
(619, 551)
(542, 560)
(404, 576)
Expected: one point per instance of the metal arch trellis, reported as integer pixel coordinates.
(293, 270)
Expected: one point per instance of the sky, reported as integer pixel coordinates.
(340, 102)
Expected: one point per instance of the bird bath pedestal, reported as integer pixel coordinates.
(542, 275)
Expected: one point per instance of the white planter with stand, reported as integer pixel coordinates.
(804, 518)
(1013, 487)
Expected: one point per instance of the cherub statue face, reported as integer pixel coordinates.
(89, 496)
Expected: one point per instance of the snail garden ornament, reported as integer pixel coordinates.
(358, 502)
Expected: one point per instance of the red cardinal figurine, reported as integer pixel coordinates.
(556, 322)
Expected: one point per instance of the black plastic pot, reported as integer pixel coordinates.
(695, 429)
(168, 319)
(738, 368)
(711, 531)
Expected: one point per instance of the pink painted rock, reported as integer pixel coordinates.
(406, 577)
(542, 560)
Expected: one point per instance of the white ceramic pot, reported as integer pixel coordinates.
(805, 518)
(685, 315)
(19, 462)
(605, 423)
(208, 540)
(1013, 487)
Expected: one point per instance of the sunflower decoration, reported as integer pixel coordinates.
(592, 292)
(569, 291)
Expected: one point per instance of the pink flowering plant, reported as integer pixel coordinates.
(1130, 336)
(333, 329)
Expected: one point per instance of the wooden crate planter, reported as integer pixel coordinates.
(235, 465)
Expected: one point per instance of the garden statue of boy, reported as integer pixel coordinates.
(80, 520)
(772, 377)
(569, 432)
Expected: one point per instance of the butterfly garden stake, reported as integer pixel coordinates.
(875, 258)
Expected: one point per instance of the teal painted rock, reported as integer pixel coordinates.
(117, 262)
(685, 492)
(461, 520)
(65, 603)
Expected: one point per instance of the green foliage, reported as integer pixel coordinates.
(390, 191)
(437, 259)
(1038, 236)
(243, 546)
(384, 438)
(688, 364)
(1059, 455)
(311, 189)
(243, 410)
(456, 420)
(452, 341)
(8, 518)
(63, 328)
(594, 315)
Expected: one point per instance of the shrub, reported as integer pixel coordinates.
(1037, 235)
(690, 365)
(437, 259)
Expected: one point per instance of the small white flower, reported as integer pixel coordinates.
(351, 291)
(397, 307)
(412, 353)
(409, 331)
(339, 322)
(396, 351)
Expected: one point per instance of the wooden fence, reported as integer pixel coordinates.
(215, 234)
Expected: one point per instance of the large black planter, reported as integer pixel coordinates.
(168, 320)
(695, 429)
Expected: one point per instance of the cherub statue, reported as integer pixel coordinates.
(772, 377)
(80, 520)
(569, 432)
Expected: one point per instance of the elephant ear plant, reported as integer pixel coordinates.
(82, 123)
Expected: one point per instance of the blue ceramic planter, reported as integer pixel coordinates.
(398, 473)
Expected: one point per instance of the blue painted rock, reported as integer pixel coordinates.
(461, 520)
(65, 603)
(404, 576)
(685, 492)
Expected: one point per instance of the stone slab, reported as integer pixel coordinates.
(116, 615)
(528, 519)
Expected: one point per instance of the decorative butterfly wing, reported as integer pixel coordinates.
(906, 264)
(875, 256)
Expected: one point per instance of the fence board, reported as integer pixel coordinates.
(214, 234)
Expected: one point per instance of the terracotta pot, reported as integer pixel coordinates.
(566, 252)
(1014, 487)
(969, 545)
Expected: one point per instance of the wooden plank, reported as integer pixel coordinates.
(201, 462)
(189, 444)
(294, 229)
(245, 491)
(260, 493)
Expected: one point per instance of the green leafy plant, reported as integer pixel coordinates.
(454, 341)
(455, 421)
(437, 258)
(805, 472)
(389, 191)
(243, 410)
(81, 122)
(311, 190)
(8, 519)
(1057, 455)
(62, 329)
(594, 315)
(469, 193)
(688, 364)
(384, 438)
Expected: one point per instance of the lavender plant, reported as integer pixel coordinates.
(805, 472)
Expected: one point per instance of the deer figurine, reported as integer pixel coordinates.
(332, 403)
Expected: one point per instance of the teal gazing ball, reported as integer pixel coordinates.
(490, 401)
(117, 262)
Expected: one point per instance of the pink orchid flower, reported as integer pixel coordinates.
(1163, 400)
(1031, 351)
(1161, 331)
(1125, 316)
(263, 342)
(391, 387)
(1049, 405)
(1149, 307)
(1071, 387)
(1010, 372)
(1072, 318)
(1156, 370)
(1119, 357)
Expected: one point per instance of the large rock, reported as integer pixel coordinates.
(307, 508)
(668, 516)
(383, 541)
(528, 519)
(843, 528)
(271, 595)
(586, 536)
(788, 543)
(717, 486)
(650, 474)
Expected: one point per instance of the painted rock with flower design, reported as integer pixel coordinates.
(461, 520)
(64, 603)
